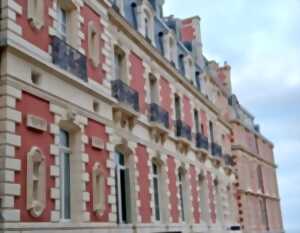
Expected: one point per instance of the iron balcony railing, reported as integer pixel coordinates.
(123, 93)
(183, 130)
(158, 114)
(201, 141)
(68, 58)
(228, 160)
(216, 149)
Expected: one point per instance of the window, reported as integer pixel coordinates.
(172, 50)
(98, 188)
(181, 64)
(211, 131)
(145, 18)
(120, 64)
(196, 119)
(154, 95)
(36, 182)
(156, 189)
(264, 213)
(65, 191)
(203, 198)
(260, 178)
(219, 203)
(35, 13)
(62, 23)
(122, 189)
(177, 107)
(182, 189)
(93, 44)
(198, 80)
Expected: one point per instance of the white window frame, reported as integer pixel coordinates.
(64, 152)
(62, 23)
(156, 176)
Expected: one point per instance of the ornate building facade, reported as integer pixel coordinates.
(112, 120)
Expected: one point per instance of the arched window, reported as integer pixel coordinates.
(156, 190)
(36, 182)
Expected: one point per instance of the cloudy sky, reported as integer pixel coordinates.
(260, 39)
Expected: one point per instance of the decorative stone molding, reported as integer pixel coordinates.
(35, 13)
(36, 182)
(98, 189)
(97, 143)
(36, 122)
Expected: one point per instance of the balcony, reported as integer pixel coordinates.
(183, 130)
(159, 115)
(184, 136)
(126, 111)
(201, 141)
(69, 58)
(216, 150)
(159, 119)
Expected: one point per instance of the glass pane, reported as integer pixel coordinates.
(64, 138)
(156, 199)
(123, 195)
(67, 193)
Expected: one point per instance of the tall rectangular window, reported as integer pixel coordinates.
(196, 119)
(203, 198)
(119, 60)
(198, 80)
(177, 107)
(122, 189)
(181, 194)
(62, 23)
(211, 131)
(156, 189)
(260, 178)
(65, 191)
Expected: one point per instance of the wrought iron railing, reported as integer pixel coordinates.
(216, 150)
(158, 114)
(183, 130)
(201, 141)
(123, 93)
(68, 58)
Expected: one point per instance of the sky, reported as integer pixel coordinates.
(260, 39)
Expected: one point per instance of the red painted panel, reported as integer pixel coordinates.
(173, 189)
(95, 155)
(165, 97)
(187, 33)
(95, 73)
(30, 104)
(187, 111)
(211, 198)
(39, 38)
(195, 194)
(204, 123)
(137, 70)
(144, 196)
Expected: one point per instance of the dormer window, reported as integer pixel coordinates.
(145, 16)
(181, 64)
(118, 5)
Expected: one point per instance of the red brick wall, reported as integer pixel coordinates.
(204, 122)
(95, 73)
(173, 189)
(137, 70)
(195, 194)
(187, 111)
(30, 104)
(165, 97)
(143, 180)
(39, 38)
(95, 155)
